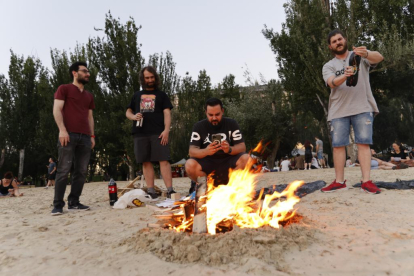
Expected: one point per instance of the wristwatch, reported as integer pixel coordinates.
(230, 150)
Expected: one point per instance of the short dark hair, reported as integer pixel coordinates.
(53, 159)
(212, 102)
(333, 33)
(152, 71)
(75, 67)
(8, 175)
(297, 155)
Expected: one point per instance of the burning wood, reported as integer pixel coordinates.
(218, 209)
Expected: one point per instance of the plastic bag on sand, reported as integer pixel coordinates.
(134, 198)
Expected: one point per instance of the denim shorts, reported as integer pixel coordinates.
(362, 125)
(320, 155)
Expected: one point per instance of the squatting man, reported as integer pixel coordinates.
(216, 145)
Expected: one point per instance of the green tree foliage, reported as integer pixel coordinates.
(20, 110)
(264, 114)
(228, 90)
(118, 61)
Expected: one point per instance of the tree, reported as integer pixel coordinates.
(263, 114)
(117, 58)
(20, 104)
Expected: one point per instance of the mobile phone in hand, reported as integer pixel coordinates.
(216, 138)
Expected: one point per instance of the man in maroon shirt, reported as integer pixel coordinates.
(72, 110)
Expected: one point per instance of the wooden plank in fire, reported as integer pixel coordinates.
(200, 216)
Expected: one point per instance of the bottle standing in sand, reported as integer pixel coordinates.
(113, 192)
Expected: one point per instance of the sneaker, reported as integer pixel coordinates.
(46, 187)
(57, 211)
(78, 206)
(333, 187)
(170, 193)
(370, 187)
(153, 195)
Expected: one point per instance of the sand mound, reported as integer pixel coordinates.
(236, 247)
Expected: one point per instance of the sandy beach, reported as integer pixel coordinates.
(345, 233)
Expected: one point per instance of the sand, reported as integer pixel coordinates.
(344, 233)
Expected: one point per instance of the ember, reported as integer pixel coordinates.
(219, 208)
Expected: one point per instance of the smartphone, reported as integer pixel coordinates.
(216, 138)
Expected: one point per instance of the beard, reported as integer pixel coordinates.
(341, 52)
(149, 85)
(215, 124)
(83, 81)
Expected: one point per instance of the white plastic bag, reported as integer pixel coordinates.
(134, 198)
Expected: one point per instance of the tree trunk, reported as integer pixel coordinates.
(3, 154)
(131, 172)
(271, 158)
(21, 163)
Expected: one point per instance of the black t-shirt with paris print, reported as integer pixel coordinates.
(203, 131)
(151, 104)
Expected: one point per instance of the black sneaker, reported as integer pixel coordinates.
(78, 206)
(170, 193)
(57, 211)
(153, 195)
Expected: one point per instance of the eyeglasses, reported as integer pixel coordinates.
(85, 71)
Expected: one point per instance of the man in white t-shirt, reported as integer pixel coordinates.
(350, 103)
(284, 166)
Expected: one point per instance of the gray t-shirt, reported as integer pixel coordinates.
(51, 167)
(320, 143)
(348, 100)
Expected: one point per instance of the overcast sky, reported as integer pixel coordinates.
(221, 36)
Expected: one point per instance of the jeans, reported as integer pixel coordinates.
(76, 152)
(362, 125)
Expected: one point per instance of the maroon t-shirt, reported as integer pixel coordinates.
(76, 109)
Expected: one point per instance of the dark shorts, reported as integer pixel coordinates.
(52, 176)
(308, 158)
(220, 167)
(149, 149)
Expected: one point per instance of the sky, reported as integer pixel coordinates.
(220, 36)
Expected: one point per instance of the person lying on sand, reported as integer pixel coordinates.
(8, 186)
(382, 165)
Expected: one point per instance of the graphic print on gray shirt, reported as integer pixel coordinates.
(347, 101)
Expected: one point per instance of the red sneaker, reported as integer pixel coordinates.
(370, 187)
(333, 187)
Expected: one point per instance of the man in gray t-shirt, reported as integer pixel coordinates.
(351, 103)
(319, 152)
(51, 173)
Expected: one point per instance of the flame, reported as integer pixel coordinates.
(235, 202)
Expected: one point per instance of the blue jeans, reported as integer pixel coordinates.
(77, 153)
(362, 125)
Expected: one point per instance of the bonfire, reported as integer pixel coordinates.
(218, 209)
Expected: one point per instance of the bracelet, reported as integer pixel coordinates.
(332, 81)
(92, 136)
(366, 55)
